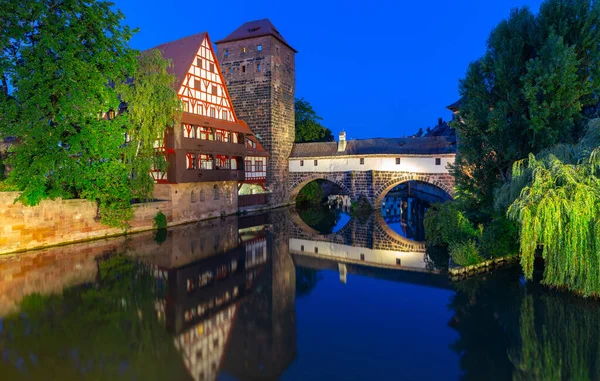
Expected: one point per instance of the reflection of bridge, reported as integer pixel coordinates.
(363, 244)
(373, 233)
(373, 167)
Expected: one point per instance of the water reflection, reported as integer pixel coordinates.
(260, 298)
(404, 207)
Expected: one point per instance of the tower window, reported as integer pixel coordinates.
(193, 197)
(362, 161)
(398, 261)
(258, 67)
(287, 58)
(230, 70)
(243, 50)
(214, 90)
(362, 257)
(397, 161)
(259, 48)
(243, 68)
(316, 162)
(316, 250)
(216, 192)
(301, 247)
(438, 161)
(277, 50)
(302, 163)
(226, 53)
(212, 67)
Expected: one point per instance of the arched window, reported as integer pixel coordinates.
(201, 194)
(193, 197)
(216, 192)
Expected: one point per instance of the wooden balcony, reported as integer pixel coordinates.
(253, 199)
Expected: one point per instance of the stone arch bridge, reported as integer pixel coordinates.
(373, 167)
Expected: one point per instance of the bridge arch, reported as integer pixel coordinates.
(443, 182)
(298, 184)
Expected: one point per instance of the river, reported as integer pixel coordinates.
(309, 295)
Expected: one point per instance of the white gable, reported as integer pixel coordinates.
(203, 91)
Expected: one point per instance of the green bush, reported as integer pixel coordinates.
(160, 221)
(446, 224)
(465, 253)
(499, 239)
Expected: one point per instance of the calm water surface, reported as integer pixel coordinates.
(314, 295)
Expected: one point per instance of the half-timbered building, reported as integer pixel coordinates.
(211, 145)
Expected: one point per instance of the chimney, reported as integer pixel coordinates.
(342, 142)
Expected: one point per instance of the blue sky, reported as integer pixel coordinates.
(372, 68)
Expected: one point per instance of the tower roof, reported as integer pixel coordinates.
(182, 53)
(253, 29)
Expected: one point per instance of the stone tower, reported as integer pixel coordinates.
(259, 69)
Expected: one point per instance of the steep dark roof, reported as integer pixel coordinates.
(257, 28)
(379, 146)
(182, 53)
(455, 106)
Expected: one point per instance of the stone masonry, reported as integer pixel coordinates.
(373, 185)
(261, 84)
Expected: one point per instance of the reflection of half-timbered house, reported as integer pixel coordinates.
(211, 153)
(198, 298)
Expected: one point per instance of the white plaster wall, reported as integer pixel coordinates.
(418, 164)
(339, 251)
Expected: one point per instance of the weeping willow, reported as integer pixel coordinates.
(559, 214)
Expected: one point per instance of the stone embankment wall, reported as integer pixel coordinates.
(458, 273)
(57, 222)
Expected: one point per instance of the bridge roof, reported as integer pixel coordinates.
(379, 146)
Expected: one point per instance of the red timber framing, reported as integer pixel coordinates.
(204, 88)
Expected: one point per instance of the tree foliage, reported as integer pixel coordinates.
(308, 124)
(63, 64)
(533, 88)
(559, 212)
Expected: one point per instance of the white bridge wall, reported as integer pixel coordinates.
(415, 164)
(408, 260)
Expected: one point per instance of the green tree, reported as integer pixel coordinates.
(558, 210)
(62, 64)
(532, 89)
(308, 124)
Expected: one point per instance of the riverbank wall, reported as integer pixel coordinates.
(60, 222)
(458, 273)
